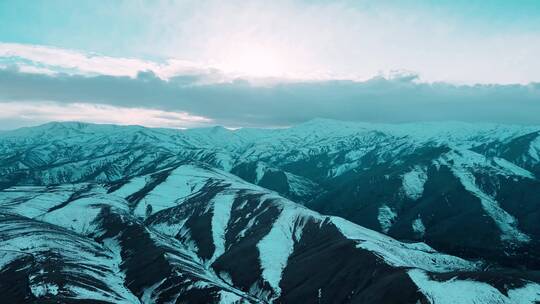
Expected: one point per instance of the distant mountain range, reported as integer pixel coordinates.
(323, 212)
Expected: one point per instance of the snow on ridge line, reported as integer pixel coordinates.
(469, 159)
(505, 221)
(512, 169)
(396, 253)
(201, 174)
(8, 256)
(460, 162)
(455, 291)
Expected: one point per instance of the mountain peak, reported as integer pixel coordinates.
(67, 129)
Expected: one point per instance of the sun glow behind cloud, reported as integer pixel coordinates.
(253, 60)
(249, 61)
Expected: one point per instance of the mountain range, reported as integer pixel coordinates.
(322, 212)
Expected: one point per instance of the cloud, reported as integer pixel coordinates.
(450, 41)
(50, 60)
(17, 114)
(398, 99)
(73, 60)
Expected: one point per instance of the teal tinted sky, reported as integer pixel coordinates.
(453, 41)
(340, 39)
(317, 55)
(110, 26)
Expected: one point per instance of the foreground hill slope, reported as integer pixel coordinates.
(192, 233)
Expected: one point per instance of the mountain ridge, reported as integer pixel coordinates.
(216, 222)
(466, 191)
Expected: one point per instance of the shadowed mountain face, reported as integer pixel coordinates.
(220, 216)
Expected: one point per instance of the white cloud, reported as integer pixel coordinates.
(48, 60)
(299, 40)
(31, 69)
(30, 113)
(69, 59)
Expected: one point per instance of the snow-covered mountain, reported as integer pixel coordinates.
(271, 215)
(199, 235)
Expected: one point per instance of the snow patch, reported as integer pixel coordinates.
(181, 182)
(78, 215)
(117, 282)
(146, 297)
(512, 169)
(276, 247)
(413, 182)
(299, 185)
(8, 256)
(134, 185)
(386, 217)
(534, 149)
(418, 255)
(529, 293)
(170, 229)
(42, 289)
(226, 297)
(260, 169)
(456, 291)
(33, 201)
(418, 227)
(341, 169)
(222, 206)
(506, 223)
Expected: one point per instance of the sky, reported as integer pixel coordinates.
(275, 63)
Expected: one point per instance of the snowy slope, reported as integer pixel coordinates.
(213, 237)
(43, 262)
(352, 170)
(468, 190)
